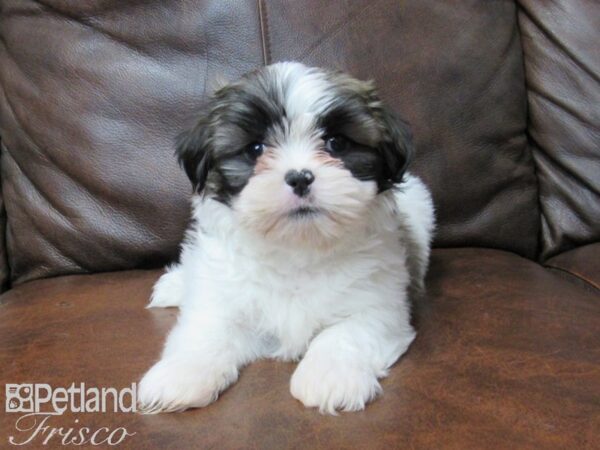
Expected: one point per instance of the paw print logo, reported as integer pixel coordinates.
(19, 398)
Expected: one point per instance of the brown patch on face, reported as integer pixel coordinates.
(265, 161)
(326, 159)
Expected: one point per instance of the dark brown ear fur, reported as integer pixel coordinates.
(397, 144)
(192, 149)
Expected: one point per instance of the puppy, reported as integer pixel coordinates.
(307, 237)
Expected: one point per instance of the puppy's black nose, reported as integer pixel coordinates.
(299, 181)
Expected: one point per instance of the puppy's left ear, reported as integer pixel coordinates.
(396, 145)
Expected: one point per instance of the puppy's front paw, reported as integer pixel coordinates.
(168, 290)
(175, 385)
(330, 384)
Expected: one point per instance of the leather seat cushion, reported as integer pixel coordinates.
(507, 355)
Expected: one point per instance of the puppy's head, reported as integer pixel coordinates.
(298, 153)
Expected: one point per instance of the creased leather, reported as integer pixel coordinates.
(562, 62)
(94, 92)
(93, 95)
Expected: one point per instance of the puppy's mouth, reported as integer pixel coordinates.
(304, 212)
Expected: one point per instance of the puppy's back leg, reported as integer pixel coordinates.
(168, 290)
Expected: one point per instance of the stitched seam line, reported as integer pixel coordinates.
(576, 275)
(264, 32)
(531, 142)
(6, 284)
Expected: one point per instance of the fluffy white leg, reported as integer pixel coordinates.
(168, 290)
(201, 358)
(343, 362)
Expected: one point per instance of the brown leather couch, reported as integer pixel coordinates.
(504, 101)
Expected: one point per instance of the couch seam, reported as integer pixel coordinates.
(588, 282)
(531, 144)
(264, 32)
(6, 284)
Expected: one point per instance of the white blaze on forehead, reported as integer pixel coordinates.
(305, 89)
(295, 144)
(300, 142)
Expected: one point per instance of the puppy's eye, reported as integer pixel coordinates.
(255, 149)
(336, 144)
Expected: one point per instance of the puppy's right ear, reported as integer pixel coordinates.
(192, 149)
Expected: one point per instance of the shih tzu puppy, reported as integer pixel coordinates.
(308, 237)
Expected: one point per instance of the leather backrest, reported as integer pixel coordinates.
(94, 92)
(93, 96)
(561, 41)
(455, 71)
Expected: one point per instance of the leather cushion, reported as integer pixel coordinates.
(93, 95)
(454, 70)
(562, 62)
(506, 357)
(94, 92)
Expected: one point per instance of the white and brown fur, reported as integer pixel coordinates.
(313, 272)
